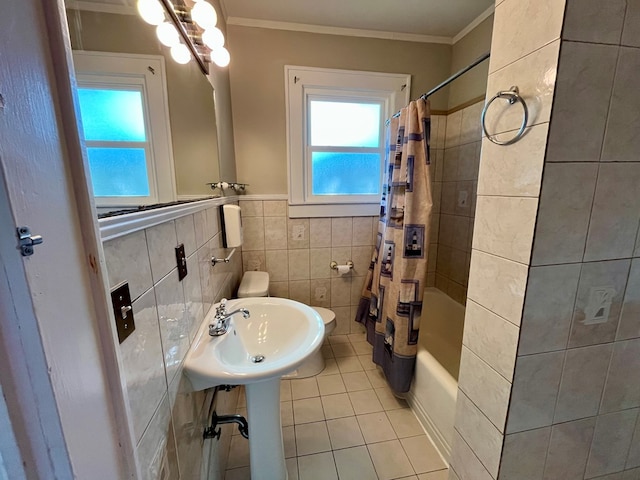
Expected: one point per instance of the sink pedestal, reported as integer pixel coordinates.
(266, 448)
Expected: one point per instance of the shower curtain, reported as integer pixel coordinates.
(391, 302)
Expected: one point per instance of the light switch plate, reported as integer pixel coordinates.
(181, 261)
(123, 311)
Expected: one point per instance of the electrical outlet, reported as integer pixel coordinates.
(463, 198)
(181, 260)
(320, 294)
(298, 232)
(599, 305)
(254, 264)
(123, 311)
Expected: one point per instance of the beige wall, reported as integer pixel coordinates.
(257, 91)
(191, 106)
(219, 78)
(473, 83)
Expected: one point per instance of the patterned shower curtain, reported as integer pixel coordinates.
(391, 302)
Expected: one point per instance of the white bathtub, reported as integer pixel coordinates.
(434, 388)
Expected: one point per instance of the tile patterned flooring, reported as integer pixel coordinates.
(346, 424)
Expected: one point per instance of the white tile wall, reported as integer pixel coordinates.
(523, 27)
(574, 376)
(565, 206)
(168, 417)
(492, 338)
(524, 455)
(569, 449)
(611, 442)
(583, 91)
(593, 21)
(548, 309)
(297, 253)
(583, 376)
(485, 387)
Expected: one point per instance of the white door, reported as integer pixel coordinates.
(59, 371)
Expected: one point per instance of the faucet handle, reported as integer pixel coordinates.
(221, 309)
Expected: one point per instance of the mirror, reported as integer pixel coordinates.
(192, 111)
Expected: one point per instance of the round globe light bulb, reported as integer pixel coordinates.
(213, 38)
(204, 14)
(220, 56)
(167, 34)
(180, 53)
(151, 11)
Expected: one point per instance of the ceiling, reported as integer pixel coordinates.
(442, 21)
(434, 18)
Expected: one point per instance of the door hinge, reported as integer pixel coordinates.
(26, 241)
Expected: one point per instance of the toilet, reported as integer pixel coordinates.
(256, 284)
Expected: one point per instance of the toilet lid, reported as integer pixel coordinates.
(327, 315)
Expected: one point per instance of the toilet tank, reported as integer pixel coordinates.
(254, 284)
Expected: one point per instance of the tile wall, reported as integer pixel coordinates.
(167, 417)
(297, 252)
(456, 181)
(551, 358)
(524, 52)
(576, 390)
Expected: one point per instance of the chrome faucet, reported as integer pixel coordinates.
(223, 317)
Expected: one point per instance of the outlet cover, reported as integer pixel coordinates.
(463, 197)
(599, 305)
(123, 311)
(181, 260)
(320, 294)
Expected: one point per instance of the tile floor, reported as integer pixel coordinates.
(346, 424)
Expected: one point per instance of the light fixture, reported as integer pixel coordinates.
(167, 34)
(180, 53)
(189, 33)
(213, 38)
(204, 14)
(151, 11)
(220, 56)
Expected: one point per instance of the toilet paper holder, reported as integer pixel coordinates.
(334, 265)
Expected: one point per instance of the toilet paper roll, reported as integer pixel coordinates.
(343, 269)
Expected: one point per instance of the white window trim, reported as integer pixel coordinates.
(96, 68)
(391, 89)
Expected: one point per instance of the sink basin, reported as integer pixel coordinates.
(279, 335)
(281, 332)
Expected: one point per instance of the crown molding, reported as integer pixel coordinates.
(477, 21)
(223, 7)
(349, 32)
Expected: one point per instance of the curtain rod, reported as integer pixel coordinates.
(476, 62)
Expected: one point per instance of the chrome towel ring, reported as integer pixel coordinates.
(513, 96)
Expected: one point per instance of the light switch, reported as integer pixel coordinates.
(123, 311)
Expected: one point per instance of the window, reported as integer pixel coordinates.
(336, 152)
(125, 123)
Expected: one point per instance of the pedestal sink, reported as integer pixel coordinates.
(279, 335)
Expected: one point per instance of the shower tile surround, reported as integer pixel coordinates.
(168, 418)
(556, 253)
(297, 252)
(455, 142)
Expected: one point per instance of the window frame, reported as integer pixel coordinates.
(147, 74)
(304, 84)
